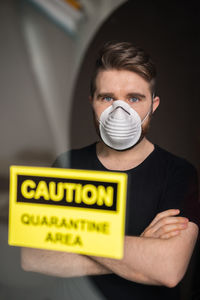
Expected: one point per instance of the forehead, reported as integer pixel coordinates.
(121, 80)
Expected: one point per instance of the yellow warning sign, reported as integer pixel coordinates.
(68, 210)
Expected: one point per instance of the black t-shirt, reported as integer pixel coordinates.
(162, 181)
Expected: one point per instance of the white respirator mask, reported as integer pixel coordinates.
(120, 125)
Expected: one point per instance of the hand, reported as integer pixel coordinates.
(165, 225)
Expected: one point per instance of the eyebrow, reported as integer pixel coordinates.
(137, 95)
(133, 94)
(102, 95)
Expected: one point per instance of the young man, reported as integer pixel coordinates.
(158, 243)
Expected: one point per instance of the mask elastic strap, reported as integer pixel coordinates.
(153, 95)
(146, 117)
(147, 114)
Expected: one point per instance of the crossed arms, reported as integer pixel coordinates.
(159, 256)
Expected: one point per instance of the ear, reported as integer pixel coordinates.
(156, 102)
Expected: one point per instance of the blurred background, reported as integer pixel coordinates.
(47, 52)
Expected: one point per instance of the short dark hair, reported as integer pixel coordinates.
(124, 56)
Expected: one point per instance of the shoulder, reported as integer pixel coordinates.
(74, 156)
(181, 177)
(172, 162)
(85, 150)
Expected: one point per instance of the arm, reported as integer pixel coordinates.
(61, 264)
(154, 260)
(65, 264)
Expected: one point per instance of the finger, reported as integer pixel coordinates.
(166, 225)
(170, 234)
(168, 220)
(163, 214)
(170, 228)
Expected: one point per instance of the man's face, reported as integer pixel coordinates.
(123, 85)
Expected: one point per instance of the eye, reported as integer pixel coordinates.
(107, 99)
(134, 99)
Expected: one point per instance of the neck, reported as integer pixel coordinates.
(124, 160)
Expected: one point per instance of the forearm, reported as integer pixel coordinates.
(61, 264)
(154, 261)
(146, 260)
(139, 263)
